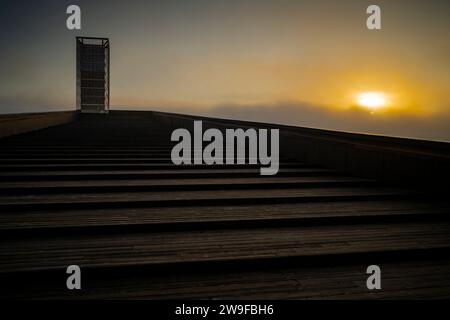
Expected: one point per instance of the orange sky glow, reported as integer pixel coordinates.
(298, 62)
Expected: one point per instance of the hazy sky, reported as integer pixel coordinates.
(300, 62)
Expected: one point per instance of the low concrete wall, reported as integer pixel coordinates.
(418, 163)
(11, 124)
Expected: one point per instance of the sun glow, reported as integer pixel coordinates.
(372, 100)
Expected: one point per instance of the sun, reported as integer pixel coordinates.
(372, 100)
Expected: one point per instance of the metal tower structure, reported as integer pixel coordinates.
(93, 71)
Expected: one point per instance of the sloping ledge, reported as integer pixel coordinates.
(418, 163)
(11, 124)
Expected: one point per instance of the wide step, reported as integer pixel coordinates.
(218, 245)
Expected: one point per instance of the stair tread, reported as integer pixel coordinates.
(125, 217)
(164, 182)
(72, 198)
(217, 245)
